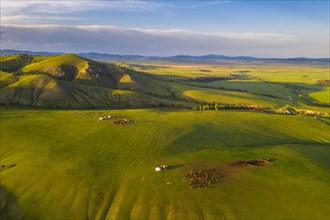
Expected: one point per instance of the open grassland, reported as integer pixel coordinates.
(274, 73)
(322, 96)
(68, 165)
(70, 81)
(221, 96)
(267, 72)
(258, 84)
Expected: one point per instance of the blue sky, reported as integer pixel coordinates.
(255, 28)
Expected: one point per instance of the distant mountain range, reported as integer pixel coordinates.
(210, 57)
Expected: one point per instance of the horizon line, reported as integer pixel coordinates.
(203, 55)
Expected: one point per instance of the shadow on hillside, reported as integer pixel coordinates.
(9, 207)
(204, 137)
(325, 121)
(170, 167)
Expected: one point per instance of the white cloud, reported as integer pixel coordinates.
(117, 40)
(59, 11)
(199, 4)
(68, 6)
(65, 6)
(37, 19)
(268, 37)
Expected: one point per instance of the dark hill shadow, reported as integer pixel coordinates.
(208, 137)
(171, 167)
(9, 207)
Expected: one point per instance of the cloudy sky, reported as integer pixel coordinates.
(145, 27)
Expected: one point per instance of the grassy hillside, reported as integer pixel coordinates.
(15, 62)
(76, 167)
(6, 79)
(70, 81)
(70, 67)
(42, 90)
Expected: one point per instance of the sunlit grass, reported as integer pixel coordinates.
(77, 167)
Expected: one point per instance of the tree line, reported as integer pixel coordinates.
(287, 110)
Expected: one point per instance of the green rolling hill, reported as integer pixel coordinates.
(70, 81)
(15, 62)
(72, 68)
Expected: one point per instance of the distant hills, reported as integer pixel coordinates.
(40, 53)
(210, 57)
